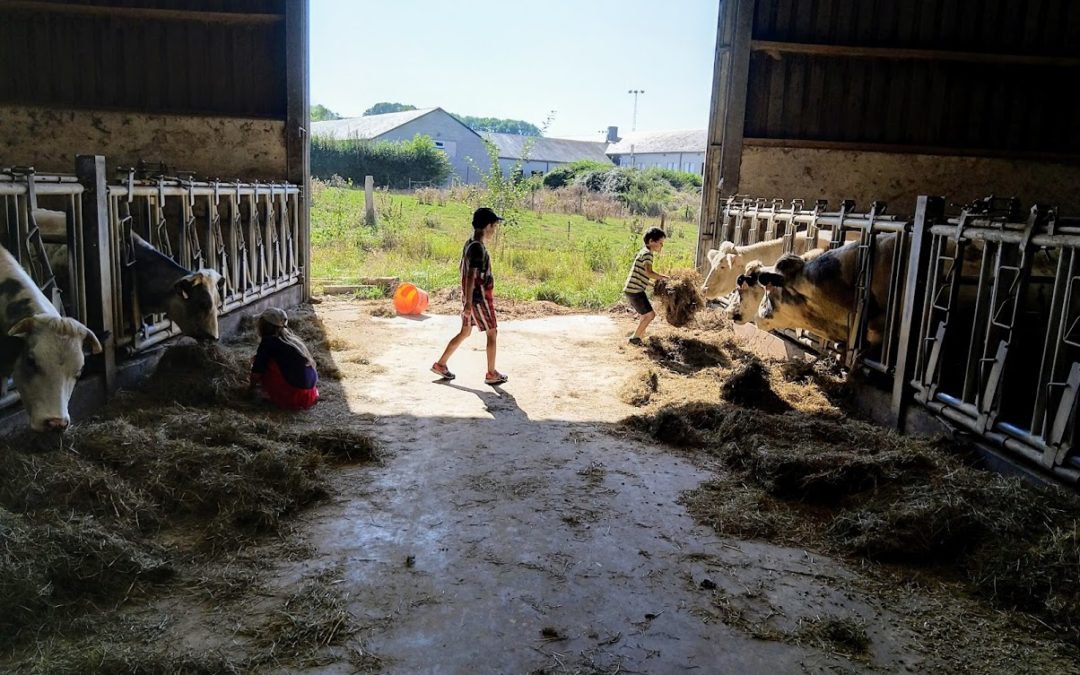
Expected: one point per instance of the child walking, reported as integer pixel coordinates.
(477, 295)
(637, 282)
(283, 366)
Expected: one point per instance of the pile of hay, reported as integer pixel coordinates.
(854, 489)
(679, 296)
(749, 386)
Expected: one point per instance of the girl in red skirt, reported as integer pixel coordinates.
(283, 365)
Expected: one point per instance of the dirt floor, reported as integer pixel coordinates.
(529, 528)
(518, 529)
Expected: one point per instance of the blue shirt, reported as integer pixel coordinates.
(293, 365)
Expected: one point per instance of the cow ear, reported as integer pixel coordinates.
(10, 349)
(183, 287)
(91, 342)
(771, 279)
(789, 265)
(23, 327)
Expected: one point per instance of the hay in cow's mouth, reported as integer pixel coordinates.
(679, 296)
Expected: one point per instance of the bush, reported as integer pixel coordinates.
(392, 164)
(682, 181)
(566, 175)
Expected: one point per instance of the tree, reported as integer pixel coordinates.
(320, 113)
(384, 107)
(499, 125)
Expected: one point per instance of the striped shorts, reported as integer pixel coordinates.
(483, 312)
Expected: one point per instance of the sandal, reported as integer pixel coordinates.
(495, 377)
(442, 371)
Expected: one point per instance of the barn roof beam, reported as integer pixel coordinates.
(143, 13)
(776, 49)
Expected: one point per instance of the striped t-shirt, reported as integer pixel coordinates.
(638, 281)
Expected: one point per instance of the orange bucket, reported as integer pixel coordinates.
(409, 299)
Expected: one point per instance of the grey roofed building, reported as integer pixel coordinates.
(463, 146)
(649, 142)
(681, 150)
(544, 153)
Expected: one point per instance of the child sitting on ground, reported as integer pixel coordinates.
(637, 283)
(283, 365)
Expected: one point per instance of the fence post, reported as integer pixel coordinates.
(927, 211)
(369, 201)
(97, 257)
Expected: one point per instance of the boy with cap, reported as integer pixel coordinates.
(477, 295)
(283, 365)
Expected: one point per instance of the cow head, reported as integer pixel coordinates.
(725, 265)
(195, 304)
(44, 354)
(765, 295)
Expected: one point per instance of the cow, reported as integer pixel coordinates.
(40, 349)
(190, 299)
(816, 294)
(728, 261)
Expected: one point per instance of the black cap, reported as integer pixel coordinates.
(483, 216)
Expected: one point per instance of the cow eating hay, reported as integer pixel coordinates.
(680, 296)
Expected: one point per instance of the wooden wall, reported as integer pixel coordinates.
(982, 91)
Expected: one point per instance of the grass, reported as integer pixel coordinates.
(567, 259)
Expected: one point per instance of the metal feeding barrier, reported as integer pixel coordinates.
(23, 193)
(750, 221)
(981, 319)
(997, 331)
(249, 232)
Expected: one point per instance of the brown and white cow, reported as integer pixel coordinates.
(191, 300)
(727, 261)
(40, 349)
(816, 294)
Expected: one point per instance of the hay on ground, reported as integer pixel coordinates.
(640, 388)
(851, 488)
(679, 296)
(749, 386)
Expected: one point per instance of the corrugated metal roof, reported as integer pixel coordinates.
(512, 146)
(368, 127)
(691, 140)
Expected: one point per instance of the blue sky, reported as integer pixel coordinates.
(507, 58)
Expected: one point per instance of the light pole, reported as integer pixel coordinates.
(635, 92)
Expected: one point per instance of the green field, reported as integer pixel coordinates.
(566, 259)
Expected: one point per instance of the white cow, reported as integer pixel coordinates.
(728, 261)
(40, 349)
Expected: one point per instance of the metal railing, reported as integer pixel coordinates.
(998, 330)
(748, 221)
(247, 232)
(981, 315)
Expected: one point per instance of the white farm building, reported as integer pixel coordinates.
(679, 150)
(463, 146)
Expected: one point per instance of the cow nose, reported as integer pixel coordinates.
(736, 317)
(56, 423)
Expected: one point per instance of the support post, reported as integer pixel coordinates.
(369, 201)
(723, 155)
(97, 257)
(927, 211)
(297, 124)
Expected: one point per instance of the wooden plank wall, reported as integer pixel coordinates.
(207, 57)
(985, 77)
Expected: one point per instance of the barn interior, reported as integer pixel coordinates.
(947, 125)
(181, 123)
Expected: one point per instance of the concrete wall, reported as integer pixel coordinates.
(466, 144)
(213, 147)
(681, 161)
(898, 179)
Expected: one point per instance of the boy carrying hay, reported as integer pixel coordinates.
(637, 282)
